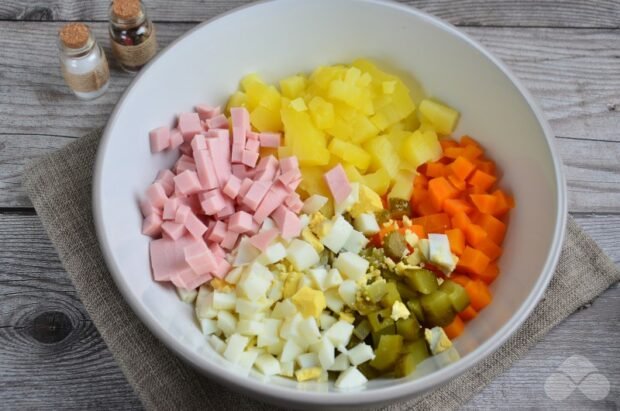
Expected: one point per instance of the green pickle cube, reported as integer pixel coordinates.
(438, 309)
(387, 352)
(457, 294)
(423, 281)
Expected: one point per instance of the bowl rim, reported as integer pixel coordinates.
(408, 389)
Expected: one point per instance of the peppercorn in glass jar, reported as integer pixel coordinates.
(132, 34)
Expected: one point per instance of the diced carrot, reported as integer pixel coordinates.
(454, 205)
(457, 182)
(434, 223)
(473, 261)
(426, 207)
(479, 294)
(417, 230)
(485, 203)
(460, 220)
(468, 141)
(436, 170)
(457, 240)
(481, 180)
(418, 195)
(453, 152)
(462, 167)
(490, 274)
(476, 190)
(496, 230)
(502, 203)
(439, 190)
(460, 279)
(420, 181)
(472, 152)
(447, 142)
(455, 328)
(475, 235)
(486, 166)
(489, 248)
(468, 314)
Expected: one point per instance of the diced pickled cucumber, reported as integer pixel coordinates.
(387, 352)
(382, 216)
(409, 328)
(368, 371)
(376, 335)
(423, 281)
(363, 329)
(457, 294)
(415, 308)
(399, 207)
(376, 290)
(391, 296)
(418, 349)
(406, 293)
(394, 245)
(438, 309)
(380, 319)
(404, 366)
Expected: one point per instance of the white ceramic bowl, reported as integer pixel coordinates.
(282, 37)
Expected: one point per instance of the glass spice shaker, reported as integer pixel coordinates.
(132, 34)
(83, 62)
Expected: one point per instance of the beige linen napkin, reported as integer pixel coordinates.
(59, 186)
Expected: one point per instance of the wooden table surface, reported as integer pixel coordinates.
(51, 356)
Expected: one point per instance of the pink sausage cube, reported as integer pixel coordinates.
(250, 135)
(252, 145)
(338, 183)
(173, 230)
(256, 193)
(176, 138)
(217, 250)
(213, 204)
(289, 177)
(294, 203)
(229, 209)
(270, 139)
(189, 125)
(188, 280)
(240, 124)
(239, 170)
(156, 194)
(237, 153)
(200, 258)
(205, 170)
(160, 139)
(186, 148)
(187, 182)
(231, 189)
(194, 225)
(240, 222)
(249, 158)
(289, 163)
(229, 241)
(253, 228)
(198, 143)
(219, 153)
(222, 269)
(183, 211)
(219, 121)
(146, 208)
(165, 176)
(219, 231)
(276, 196)
(245, 187)
(151, 225)
(287, 221)
(170, 208)
(221, 133)
(184, 163)
(206, 112)
(167, 259)
(262, 240)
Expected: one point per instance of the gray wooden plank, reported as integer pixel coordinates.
(52, 357)
(573, 74)
(529, 13)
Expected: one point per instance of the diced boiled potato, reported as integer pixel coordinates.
(204, 303)
(379, 181)
(267, 364)
(301, 254)
(216, 342)
(322, 113)
(209, 326)
(351, 265)
(367, 224)
(238, 99)
(421, 147)
(226, 322)
(403, 185)
(350, 153)
(442, 117)
(350, 378)
(234, 347)
(265, 120)
(362, 129)
(353, 174)
(293, 87)
(187, 296)
(307, 142)
(383, 156)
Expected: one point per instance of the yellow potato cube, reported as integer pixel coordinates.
(293, 87)
(369, 202)
(238, 99)
(264, 119)
(363, 130)
(298, 104)
(353, 173)
(403, 185)
(351, 153)
(383, 155)
(322, 113)
(442, 117)
(379, 181)
(397, 138)
(421, 147)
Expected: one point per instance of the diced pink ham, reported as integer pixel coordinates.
(252, 145)
(151, 225)
(173, 230)
(156, 195)
(183, 211)
(195, 227)
(230, 240)
(246, 183)
(287, 221)
(198, 143)
(189, 125)
(221, 133)
(213, 203)
(217, 250)
(338, 183)
(166, 178)
(206, 112)
(160, 139)
(186, 149)
(187, 182)
(289, 163)
(256, 193)
(146, 208)
(184, 163)
(266, 168)
(240, 222)
(170, 208)
(276, 196)
(167, 257)
(250, 135)
(289, 177)
(249, 158)
(262, 240)
(176, 138)
(219, 121)
(240, 124)
(270, 139)
(219, 231)
(239, 171)
(228, 209)
(222, 269)
(205, 170)
(188, 280)
(231, 189)
(253, 228)
(236, 154)
(200, 258)
(294, 202)
(218, 150)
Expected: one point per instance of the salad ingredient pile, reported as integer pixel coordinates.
(327, 228)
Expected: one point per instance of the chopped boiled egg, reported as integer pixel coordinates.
(309, 302)
(351, 265)
(399, 310)
(437, 339)
(301, 254)
(350, 378)
(338, 234)
(439, 252)
(367, 224)
(369, 202)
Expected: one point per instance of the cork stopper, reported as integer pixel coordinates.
(126, 9)
(74, 35)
